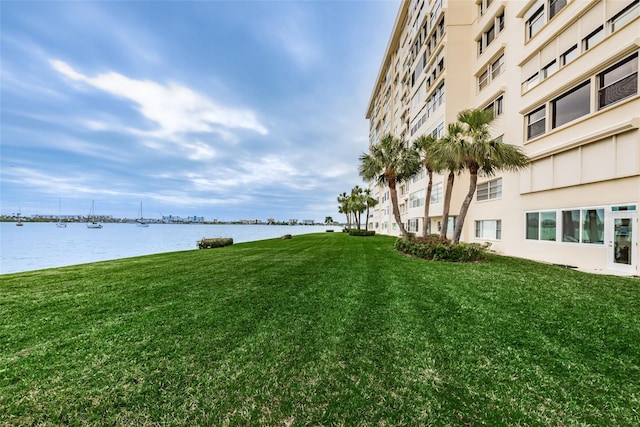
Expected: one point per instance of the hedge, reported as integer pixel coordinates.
(217, 242)
(442, 250)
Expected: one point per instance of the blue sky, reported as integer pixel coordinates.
(227, 110)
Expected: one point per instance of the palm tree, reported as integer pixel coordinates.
(389, 162)
(370, 202)
(479, 153)
(357, 205)
(344, 208)
(442, 159)
(328, 220)
(424, 145)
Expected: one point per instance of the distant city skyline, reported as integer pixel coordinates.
(225, 110)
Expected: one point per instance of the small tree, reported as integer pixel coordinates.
(370, 202)
(477, 152)
(357, 204)
(389, 162)
(442, 160)
(424, 146)
(344, 208)
(328, 220)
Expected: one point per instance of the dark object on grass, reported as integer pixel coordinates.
(330, 230)
(286, 237)
(217, 242)
(362, 233)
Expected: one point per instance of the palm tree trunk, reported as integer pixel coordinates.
(427, 202)
(473, 182)
(396, 212)
(447, 204)
(366, 224)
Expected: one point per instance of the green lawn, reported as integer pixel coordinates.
(322, 329)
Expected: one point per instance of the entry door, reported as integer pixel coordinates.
(622, 227)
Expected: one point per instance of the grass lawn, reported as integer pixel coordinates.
(322, 329)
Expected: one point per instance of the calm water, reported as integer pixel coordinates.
(43, 245)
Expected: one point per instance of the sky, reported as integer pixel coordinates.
(227, 110)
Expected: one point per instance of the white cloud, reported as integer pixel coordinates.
(175, 109)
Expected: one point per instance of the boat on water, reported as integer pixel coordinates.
(140, 222)
(92, 223)
(18, 220)
(60, 224)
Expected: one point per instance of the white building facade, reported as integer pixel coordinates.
(562, 79)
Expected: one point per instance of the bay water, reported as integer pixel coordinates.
(43, 245)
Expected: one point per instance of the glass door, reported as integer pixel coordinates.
(622, 244)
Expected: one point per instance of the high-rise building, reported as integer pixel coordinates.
(561, 77)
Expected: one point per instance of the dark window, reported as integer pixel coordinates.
(536, 122)
(618, 82)
(490, 35)
(571, 105)
(533, 225)
(571, 226)
(555, 6)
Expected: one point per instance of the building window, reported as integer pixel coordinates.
(555, 6)
(541, 226)
(569, 55)
(492, 71)
(412, 225)
(416, 199)
(495, 106)
(625, 15)
(571, 105)
(483, 80)
(549, 69)
(618, 82)
(489, 190)
(491, 229)
(497, 67)
(533, 225)
(536, 122)
(593, 39)
(535, 22)
(490, 34)
(484, 4)
(417, 177)
(571, 226)
(583, 226)
(436, 193)
(548, 226)
(593, 226)
(531, 82)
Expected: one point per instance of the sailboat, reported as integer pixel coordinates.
(92, 223)
(140, 222)
(18, 221)
(60, 224)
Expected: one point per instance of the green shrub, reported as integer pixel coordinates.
(435, 249)
(362, 233)
(217, 242)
